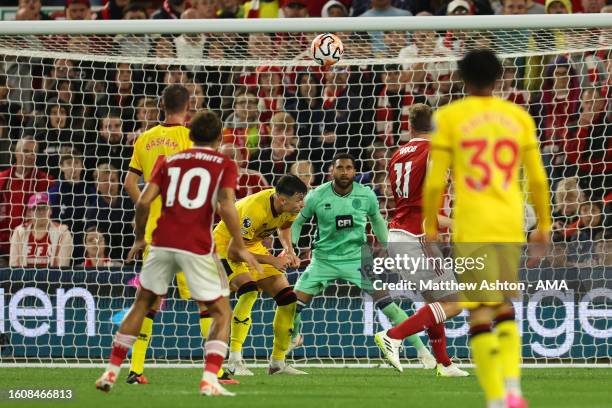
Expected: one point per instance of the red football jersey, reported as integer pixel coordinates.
(189, 182)
(407, 171)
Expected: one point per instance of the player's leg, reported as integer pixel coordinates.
(507, 329)
(276, 285)
(139, 350)
(216, 345)
(208, 285)
(247, 293)
(485, 351)
(155, 276)
(310, 283)
(206, 321)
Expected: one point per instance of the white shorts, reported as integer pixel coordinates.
(205, 278)
(404, 244)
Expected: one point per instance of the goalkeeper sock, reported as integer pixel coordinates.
(397, 316)
(139, 351)
(437, 339)
(205, 323)
(509, 350)
(241, 319)
(297, 319)
(283, 322)
(121, 344)
(485, 354)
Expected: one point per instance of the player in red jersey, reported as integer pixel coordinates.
(193, 184)
(407, 170)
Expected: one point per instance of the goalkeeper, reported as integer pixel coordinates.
(342, 208)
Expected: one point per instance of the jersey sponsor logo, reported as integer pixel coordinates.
(327, 206)
(246, 222)
(356, 203)
(344, 221)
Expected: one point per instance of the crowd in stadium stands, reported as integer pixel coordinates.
(70, 125)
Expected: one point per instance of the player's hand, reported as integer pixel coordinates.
(294, 260)
(248, 257)
(136, 251)
(280, 262)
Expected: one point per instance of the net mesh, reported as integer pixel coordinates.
(85, 99)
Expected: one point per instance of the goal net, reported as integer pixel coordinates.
(72, 105)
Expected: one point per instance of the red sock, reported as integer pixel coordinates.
(421, 320)
(213, 363)
(118, 354)
(437, 338)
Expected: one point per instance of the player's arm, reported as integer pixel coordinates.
(306, 213)
(226, 209)
(379, 225)
(537, 181)
(143, 205)
(131, 185)
(284, 236)
(435, 181)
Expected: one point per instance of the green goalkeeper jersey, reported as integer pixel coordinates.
(341, 221)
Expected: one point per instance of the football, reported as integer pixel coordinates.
(327, 49)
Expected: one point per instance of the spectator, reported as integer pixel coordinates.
(514, 7)
(170, 9)
(110, 146)
(134, 45)
(78, 10)
(230, 9)
(305, 171)
(54, 132)
(545, 40)
(269, 92)
(111, 211)
(506, 88)
(459, 8)
(197, 101)
(261, 9)
(10, 111)
(112, 10)
(567, 199)
(17, 184)
(190, 45)
(334, 8)
(205, 8)
(249, 181)
(68, 199)
(337, 105)
(31, 10)
(40, 242)
(582, 249)
(274, 162)
(589, 146)
(383, 8)
(307, 109)
(147, 116)
(555, 110)
(392, 105)
(241, 127)
(96, 256)
(294, 8)
(120, 94)
(442, 89)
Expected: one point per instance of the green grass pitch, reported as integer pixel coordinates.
(323, 388)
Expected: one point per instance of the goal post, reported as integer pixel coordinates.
(85, 90)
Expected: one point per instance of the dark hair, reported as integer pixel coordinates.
(66, 157)
(205, 127)
(175, 99)
(480, 68)
(420, 117)
(341, 156)
(135, 7)
(289, 185)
